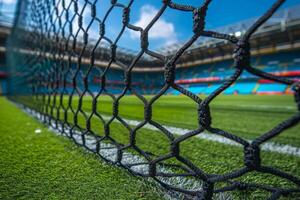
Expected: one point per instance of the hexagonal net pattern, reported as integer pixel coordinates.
(53, 52)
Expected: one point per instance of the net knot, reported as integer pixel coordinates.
(74, 44)
(115, 108)
(85, 82)
(204, 115)
(241, 186)
(103, 81)
(199, 20)
(80, 21)
(56, 11)
(113, 1)
(126, 13)
(85, 38)
(71, 28)
(169, 72)
(67, 14)
(147, 112)
(296, 88)
(241, 54)
(175, 149)
(113, 48)
(252, 156)
(152, 169)
(207, 192)
(101, 29)
(127, 79)
(92, 59)
(59, 22)
(144, 40)
(75, 7)
(93, 10)
(63, 33)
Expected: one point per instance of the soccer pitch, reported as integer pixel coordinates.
(246, 116)
(46, 166)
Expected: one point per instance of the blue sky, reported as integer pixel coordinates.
(7, 8)
(174, 26)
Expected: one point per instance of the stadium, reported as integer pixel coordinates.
(128, 99)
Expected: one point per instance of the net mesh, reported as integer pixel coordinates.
(53, 60)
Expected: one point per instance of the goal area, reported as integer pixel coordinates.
(63, 61)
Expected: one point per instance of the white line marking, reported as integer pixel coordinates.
(109, 151)
(268, 146)
(266, 106)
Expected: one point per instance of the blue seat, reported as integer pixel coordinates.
(241, 88)
(271, 87)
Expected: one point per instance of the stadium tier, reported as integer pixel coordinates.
(204, 79)
(201, 79)
(273, 88)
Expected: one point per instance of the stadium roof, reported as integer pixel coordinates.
(280, 21)
(281, 17)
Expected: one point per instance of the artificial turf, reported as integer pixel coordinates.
(46, 166)
(247, 116)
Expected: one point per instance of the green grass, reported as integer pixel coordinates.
(46, 166)
(246, 116)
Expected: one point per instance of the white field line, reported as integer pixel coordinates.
(109, 152)
(267, 106)
(268, 146)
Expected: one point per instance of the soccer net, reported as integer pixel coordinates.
(58, 63)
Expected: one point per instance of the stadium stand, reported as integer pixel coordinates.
(201, 72)
(196, 80)
(204, 79)
(271, 88)
(241, 88)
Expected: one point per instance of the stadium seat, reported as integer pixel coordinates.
(241, 88)
(271, 88)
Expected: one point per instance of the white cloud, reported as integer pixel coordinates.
(160, 30)
(9, 1)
